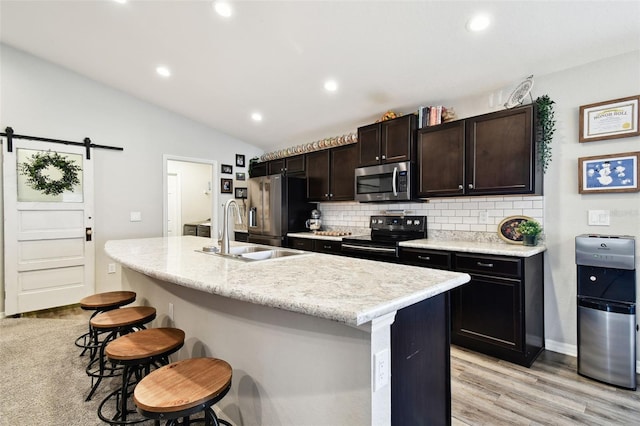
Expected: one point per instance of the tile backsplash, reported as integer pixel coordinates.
(469, 218)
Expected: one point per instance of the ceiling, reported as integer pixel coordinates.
(274, 56)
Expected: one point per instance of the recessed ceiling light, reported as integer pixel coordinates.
(120, 1)
(478, 23)
(256, 116)
(163, 71)
(331, 85)
(222, 8)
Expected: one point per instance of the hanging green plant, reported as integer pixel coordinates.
(40, 162)
(545, 130)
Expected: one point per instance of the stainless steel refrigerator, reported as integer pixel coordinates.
(277, 206)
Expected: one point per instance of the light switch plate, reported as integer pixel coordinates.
(599, 217)
(136, 216)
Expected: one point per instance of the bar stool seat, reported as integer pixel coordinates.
(116, 322)
(137, 353)
(183, 388)
(100, 302)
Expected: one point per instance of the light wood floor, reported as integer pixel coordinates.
(488, 391)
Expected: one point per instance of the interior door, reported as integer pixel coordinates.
(49, 249)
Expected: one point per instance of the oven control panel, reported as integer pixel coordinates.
(398, 223)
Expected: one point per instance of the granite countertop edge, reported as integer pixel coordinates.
(341, 289)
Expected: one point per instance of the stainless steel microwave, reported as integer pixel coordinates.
(386, 182)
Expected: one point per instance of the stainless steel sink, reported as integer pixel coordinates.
(254, 253)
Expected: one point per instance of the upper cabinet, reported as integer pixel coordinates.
(290, 165)
(389, 141)
(330, 173)
(489, 154)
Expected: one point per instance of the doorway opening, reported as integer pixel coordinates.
(189, 196)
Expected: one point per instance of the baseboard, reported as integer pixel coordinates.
(561, 347)
(571, 350)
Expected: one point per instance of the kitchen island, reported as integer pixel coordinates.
(313, 338)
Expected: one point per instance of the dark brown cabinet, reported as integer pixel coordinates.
(290, 165)
(315, 244)
(330, 173)
(389, 141)
(258, 169)
(500, 311)
(491, 154)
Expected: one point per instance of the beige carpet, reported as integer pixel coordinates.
(42, 377)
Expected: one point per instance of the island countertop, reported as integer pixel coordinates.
(342, 289)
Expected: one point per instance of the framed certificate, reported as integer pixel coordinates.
(613, 119)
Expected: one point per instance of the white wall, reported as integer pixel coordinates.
(41, 99)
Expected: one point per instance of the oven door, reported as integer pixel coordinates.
(386, 182)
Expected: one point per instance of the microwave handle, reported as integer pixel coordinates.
(394, 183)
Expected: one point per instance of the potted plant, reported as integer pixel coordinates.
(530, 230)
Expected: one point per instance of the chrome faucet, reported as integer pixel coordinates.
(224, 242)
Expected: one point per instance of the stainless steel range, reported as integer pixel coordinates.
(386, 233)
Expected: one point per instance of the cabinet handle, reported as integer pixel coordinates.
(424, 257)
(470, 186)
(327, 247)
(331, 195)
(460, 187)
(486, 265)
(384, 157)
(377, 158)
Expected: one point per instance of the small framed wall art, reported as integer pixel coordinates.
(226, 186)
(226, 169)
(613, 119)
(608, 173)
(239, 160)
(240, 176)
(241, 192)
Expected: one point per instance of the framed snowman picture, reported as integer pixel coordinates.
(608, 173)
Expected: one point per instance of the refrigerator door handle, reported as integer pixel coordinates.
(252, 217)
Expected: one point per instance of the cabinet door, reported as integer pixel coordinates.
(441, 160)
(343, 165)
(369, 145)
(500, 153)
(295, 165)
(397, 137)
(318, 175)
(487, 312)
(276, 166)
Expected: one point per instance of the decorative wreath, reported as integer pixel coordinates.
(38, 162)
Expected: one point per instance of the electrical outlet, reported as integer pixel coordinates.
(381, 369)
(111, 268)
(135, 216)
(171, 311)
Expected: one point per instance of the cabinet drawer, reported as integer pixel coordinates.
(426, 258)
(489, 265)
(301, 244)
(324, 246)
(190, 230)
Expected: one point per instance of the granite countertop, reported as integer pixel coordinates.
(343, 289)
(503, 249)
(311, 235)
(480, 247)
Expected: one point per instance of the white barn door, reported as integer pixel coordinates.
(49, 249)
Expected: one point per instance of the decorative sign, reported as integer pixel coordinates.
(613, 119)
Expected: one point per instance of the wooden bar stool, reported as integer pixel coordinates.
(115, 322)
(100, 302)
(137, 353)
(183, 388)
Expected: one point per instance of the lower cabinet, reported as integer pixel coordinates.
(315, 244)
(500, 311)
